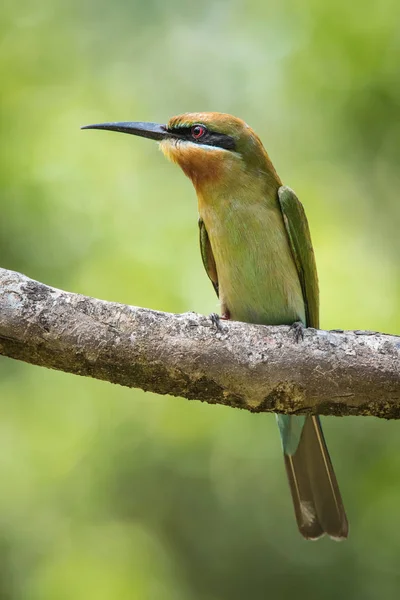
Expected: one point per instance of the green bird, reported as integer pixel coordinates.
(256, 249)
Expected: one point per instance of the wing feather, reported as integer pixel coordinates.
(296, 225)
(207, 256)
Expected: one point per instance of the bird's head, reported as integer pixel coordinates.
(210, 147)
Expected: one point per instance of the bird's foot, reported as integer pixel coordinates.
(298, 331)
(216, 320)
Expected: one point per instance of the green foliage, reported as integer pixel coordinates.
(110, 493)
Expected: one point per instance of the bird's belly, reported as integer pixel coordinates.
(272, 301)
(258, 280)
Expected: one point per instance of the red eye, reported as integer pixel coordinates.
(198, 131)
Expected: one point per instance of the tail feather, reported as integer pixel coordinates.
(306, 516)
(316, 497)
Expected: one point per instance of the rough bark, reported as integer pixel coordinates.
(254, 367)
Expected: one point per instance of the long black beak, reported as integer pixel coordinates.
(154, 131)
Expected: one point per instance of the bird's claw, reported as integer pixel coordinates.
(298, 331)
(216, 321)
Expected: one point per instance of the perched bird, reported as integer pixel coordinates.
(256, 249)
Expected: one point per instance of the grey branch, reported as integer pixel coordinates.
(254, 367)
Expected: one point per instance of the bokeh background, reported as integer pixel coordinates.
(109, 493)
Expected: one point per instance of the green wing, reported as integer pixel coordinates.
(300, 242)
(207, 256)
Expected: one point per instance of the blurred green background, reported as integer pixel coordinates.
(109, 493)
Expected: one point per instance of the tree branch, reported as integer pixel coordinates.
(254, 367)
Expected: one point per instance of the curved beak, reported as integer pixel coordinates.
(154, 131)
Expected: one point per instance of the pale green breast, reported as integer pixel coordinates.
(258, 280)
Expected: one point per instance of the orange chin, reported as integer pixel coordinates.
(201, 163)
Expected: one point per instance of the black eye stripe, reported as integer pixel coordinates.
(209, 138)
